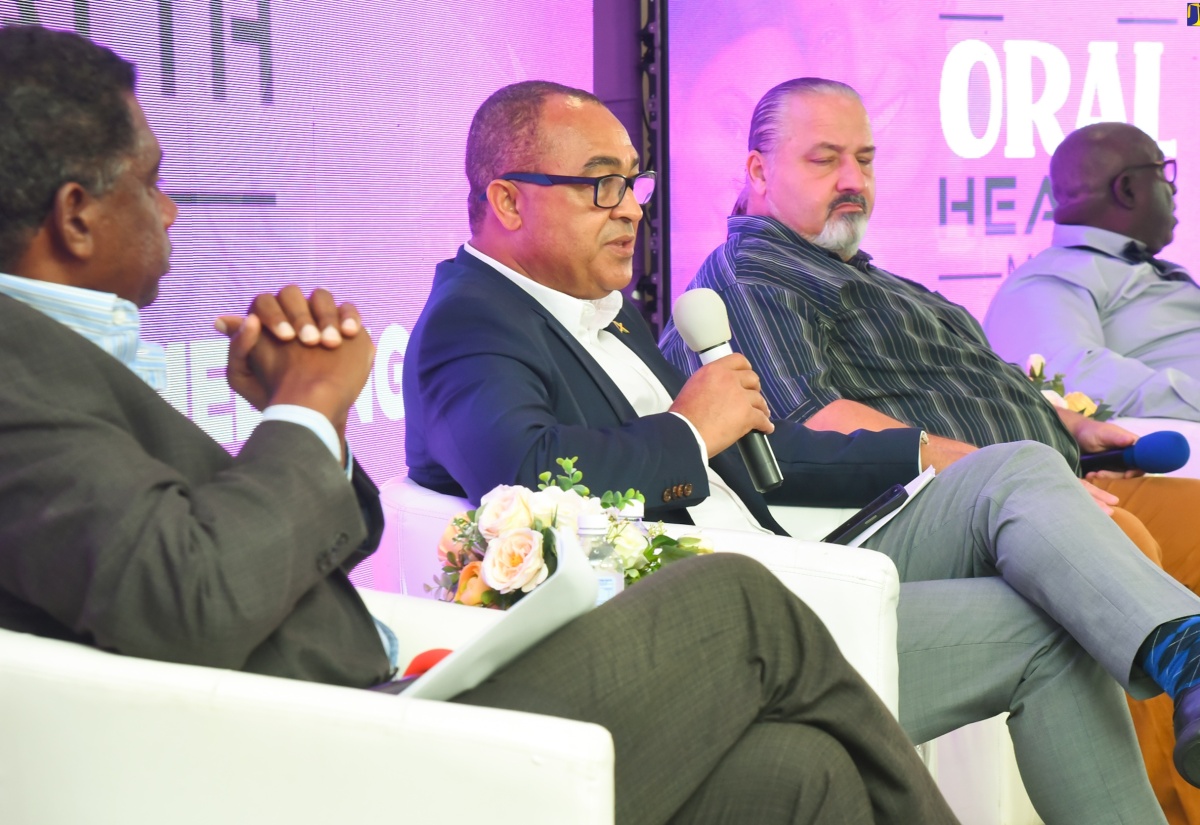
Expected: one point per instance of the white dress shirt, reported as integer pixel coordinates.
(1119, 330)
(587, 320)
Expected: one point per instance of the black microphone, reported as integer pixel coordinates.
(703, 324)
(1160, 452)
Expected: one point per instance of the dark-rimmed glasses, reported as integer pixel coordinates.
(608, 190)
(1167, 166)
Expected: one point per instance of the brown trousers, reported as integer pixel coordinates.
(1162, 517)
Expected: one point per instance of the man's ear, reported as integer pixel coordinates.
(503, 196)
(756, 171)
(72, 221)
(1122, 191)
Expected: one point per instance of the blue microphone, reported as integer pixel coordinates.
(1159, 452)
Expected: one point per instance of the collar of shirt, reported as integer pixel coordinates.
(109, 322)
(1114, 245)
(1099, 240)
(582, 318)
(769, 227)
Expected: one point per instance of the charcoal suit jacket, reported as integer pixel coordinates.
(495, 389)
(126, 527)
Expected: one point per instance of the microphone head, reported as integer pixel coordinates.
(1160, 452)
(701, 319)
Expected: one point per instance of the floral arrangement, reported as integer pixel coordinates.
(1056, 393)
(492, 556)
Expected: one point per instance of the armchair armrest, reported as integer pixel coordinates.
(88, 736)
(854, 591)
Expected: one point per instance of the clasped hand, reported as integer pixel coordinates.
(292, 350)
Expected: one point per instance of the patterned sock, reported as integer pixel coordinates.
(1171, 655)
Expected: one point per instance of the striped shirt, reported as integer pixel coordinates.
(109, 322)
(818, 329)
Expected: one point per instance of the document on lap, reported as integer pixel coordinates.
(912, 488)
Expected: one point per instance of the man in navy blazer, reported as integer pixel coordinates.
(526, 352)
(510, 349)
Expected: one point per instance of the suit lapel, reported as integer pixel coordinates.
(635, 334)
(615, 398)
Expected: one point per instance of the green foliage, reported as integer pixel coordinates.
(663, 550)
(612, 499)
(1040, 382)
(569, 480)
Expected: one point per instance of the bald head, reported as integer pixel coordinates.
(1109, 175)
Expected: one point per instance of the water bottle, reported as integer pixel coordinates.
(607, 565)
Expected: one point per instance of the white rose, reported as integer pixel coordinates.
(630, 544)
(514, 561)
(1055, 399)
(633, 509)
(503, 509)
(1036, 365)
(561, 508)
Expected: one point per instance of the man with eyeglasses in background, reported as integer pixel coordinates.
(1121, 324)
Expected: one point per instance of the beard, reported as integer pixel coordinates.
(843, 233)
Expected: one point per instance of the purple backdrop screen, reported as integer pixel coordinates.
(967, 100)
(319, 144)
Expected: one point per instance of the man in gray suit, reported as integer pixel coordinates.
(123, 526)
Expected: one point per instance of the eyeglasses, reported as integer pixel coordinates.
(1167, 166)
(609, 190)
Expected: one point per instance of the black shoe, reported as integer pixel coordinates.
(1187, 735)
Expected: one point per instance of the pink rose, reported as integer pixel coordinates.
(503, 509)
(470, 586)
(514, 562)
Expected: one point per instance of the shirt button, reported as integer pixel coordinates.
(687, 490)
(666, 496)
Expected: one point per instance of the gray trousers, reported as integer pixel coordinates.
(1059, 603)
(728, 702)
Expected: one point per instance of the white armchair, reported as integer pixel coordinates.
(88, 736)
(855, 592)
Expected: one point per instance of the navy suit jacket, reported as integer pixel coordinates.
(495, 389)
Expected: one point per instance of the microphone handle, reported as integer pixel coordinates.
(760, 461)
(1107, 460)
(756, 451)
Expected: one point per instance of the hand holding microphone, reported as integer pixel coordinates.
(1160, 452)
(722, 399)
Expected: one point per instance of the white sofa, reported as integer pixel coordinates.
(855, 592)
(92, 737)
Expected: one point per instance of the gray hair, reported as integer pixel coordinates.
(766, 122)
(504, 136)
